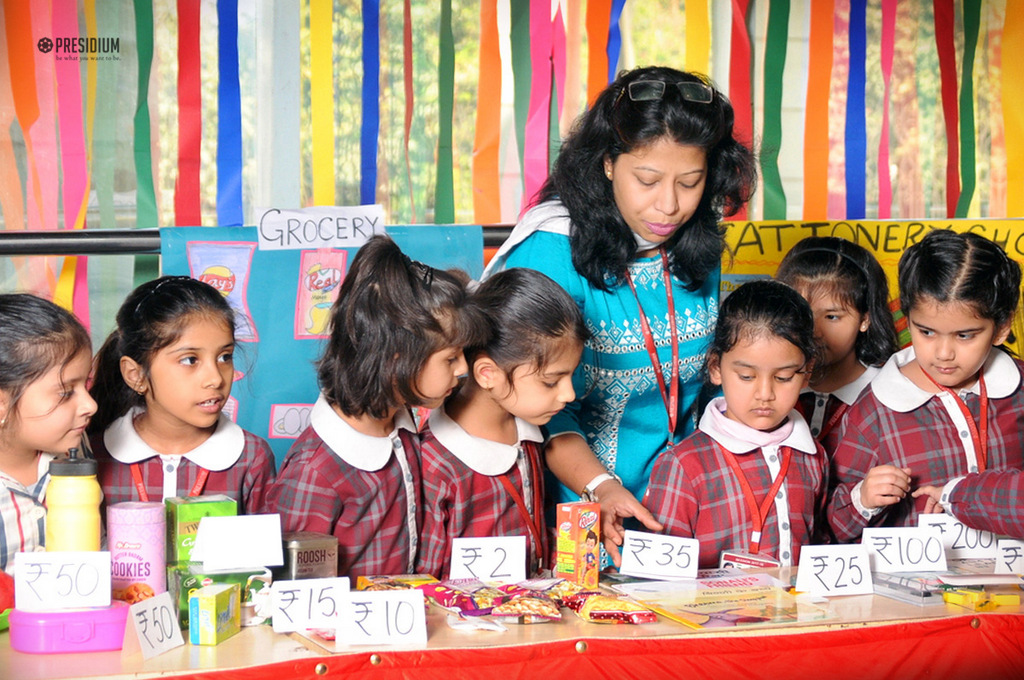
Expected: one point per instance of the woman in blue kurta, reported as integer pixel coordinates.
(627, 223)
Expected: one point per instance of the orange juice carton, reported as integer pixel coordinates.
(578, 551)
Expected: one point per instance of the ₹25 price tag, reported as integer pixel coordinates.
(656, 556)
(961, 541)
(494, 558)
(898, 549)
(153, 627)
(384, 617)
(307, 603)
(834, 570)
(44, 581)
(1010, 559)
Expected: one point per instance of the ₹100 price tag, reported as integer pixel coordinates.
(898, 549)
(153, 628)
(656, 556)
(834, 570)
(384, 617)
(308, 603)
(494, 558)
(45, 581)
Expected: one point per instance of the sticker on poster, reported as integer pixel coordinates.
(287, 421)
(320, 275)
(226, 266)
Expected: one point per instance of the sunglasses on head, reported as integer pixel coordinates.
(651, 90)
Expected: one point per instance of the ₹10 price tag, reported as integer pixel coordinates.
(154, 627)
(656, 556)
(384, 617)
(961, 541)
(307, 603)
(1010, 559)
(45, 581)
(834, 570)
(898, 549)
(494, 558)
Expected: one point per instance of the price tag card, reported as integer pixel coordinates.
(897, 549)
(153, 627)
(44, 581)
(494, 558)
(834, 570)
(656, 556)
(384, 617)
(961, 542)
(1010, 559)
(307, 603)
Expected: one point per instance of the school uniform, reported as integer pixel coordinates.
(363, 489)
(23, 514)
(694, 491)
(464, 495)
(237, 463)
(991, 501)
(895, 422)
(824, 411)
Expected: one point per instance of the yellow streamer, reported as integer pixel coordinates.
(321, 37)
(698, 36)
(1013, 107)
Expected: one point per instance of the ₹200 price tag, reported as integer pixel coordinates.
(656, 556)
(960, 540)
(834, 570)
(45, 581)
(153, 627)
(492, 558)
(308, 603)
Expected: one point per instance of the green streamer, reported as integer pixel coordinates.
(444, 191)
(968, 171)
(519, 35)
(774, 64)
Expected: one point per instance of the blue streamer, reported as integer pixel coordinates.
(371, 102)
(614, 38)
(229, 119)
(856, 125)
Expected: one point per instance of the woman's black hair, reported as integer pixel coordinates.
(152, 317)
(765, 309)
(601, 242)
(391, 314)
(35, 336)
(950, 267)
(827, 265)
(528, 317)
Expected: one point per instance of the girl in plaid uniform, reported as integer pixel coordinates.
(45, 358)
(481, 452)
(950, 404)
(751, 478)
(397, 332)
(163, 378)
(849, 295)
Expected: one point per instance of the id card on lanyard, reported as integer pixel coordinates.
(979, 430)
(758, 511)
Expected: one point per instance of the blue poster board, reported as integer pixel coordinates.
(275, 295)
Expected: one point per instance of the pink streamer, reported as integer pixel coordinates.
(43, 214)
(535, 156)
(559, 54)
(888, 41)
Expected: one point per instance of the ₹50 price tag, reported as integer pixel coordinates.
(656, 556)
(307, 603)
(898, 549)
(494, 558)
(834, 570)
(153, 627)
(959, 540)
(44, 581)
(384, 617)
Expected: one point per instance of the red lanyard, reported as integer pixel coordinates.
(140, 486)
(980, 439)
(832, 421)
(531, 522)
(670, 395)
(759, 513)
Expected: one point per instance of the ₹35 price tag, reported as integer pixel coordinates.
(1010, 559)
(961, 541)
(834, 570)
(495, 558)
(153, 627)
(45, 581)
(307, 603)
(384, 617)
(657, 556)
(898, 549)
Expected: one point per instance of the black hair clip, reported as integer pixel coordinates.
(425, 272)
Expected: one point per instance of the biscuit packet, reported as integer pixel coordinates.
(527, 609)
(595, 607)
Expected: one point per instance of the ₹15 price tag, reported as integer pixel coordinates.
(961, 541)
(834, 570)
(656, 556)
(384, 617)
(307, 603)
(494, 558)
(898, 549)
(1010, 559)
(45, 581)
(153, 627)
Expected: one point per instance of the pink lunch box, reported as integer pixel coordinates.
(73, 630)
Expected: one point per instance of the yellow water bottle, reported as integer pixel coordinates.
(73, 504)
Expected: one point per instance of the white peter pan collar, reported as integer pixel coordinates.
(481, 455)
(800, 438)
(898, 392)
(220, 451)
(362, 451)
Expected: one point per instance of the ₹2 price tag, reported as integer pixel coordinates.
(153, 627)
(494, 558)
(656, 556)
(834, 570)
(384, 617)
(898, 549)
(961, 541)
(45, 581)
(308, 603)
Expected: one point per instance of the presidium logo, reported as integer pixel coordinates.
(75, 49)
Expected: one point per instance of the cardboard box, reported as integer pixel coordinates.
(186, 578)
(215, 614)
(578, 544)
(183, 515)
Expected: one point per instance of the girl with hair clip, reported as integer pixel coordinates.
(849, 295)
(397, 332)
(752, 478)
(628, 224)
(948, 405)
(163, 378)
(481, 452)
(45, 358)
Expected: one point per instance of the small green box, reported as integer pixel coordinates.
(183, 515)
(186, 578)
(215, 612)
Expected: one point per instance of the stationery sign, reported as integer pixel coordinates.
(44, 581)
(494, 558)
(307, 603)
(656, 556)
(898, 549)
(1010, 559)
(834, 570)
(960, 541)
(384, 617)
(319, 227)
(153, 627)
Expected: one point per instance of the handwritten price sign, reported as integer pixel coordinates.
(657, 556)
(961, 541)
(386, 617)
(156, 625)
(44, 581)
(490, 558)
(1010, 559)
(898, 549)
(834, 570)
(308, 603)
